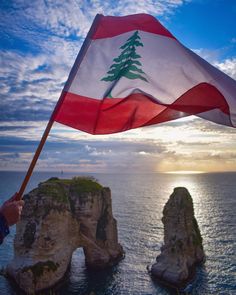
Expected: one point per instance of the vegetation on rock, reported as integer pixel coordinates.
(85, 185)
(58, 189)
(54, 190)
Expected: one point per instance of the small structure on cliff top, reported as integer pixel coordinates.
(60, 216)
(182, 249)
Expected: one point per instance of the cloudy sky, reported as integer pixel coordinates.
(39, 43)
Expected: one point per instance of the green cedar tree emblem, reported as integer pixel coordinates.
(127, 64)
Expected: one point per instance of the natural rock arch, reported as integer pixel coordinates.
(60, 216)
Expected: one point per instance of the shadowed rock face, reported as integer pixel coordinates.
(60, 216)
(182, 249)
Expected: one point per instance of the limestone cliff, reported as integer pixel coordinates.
(60, 216)
(182, 249)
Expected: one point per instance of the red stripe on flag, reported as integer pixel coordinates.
(110, 26)
(201, 98)
(113, 115)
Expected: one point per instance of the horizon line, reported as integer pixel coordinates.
(122, 172)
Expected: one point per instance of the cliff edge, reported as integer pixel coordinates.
(60, 216)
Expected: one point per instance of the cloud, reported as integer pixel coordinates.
(31, 85)
(228, 66)
(70, 19)
(199, 151)
(146, 149)
(41, 40)
(233, 40)
(209, 54)
(80, 155)
(211, 129)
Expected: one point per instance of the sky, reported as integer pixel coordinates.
(39, 43)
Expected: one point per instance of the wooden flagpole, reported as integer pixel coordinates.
(40, 147)
(35, 158)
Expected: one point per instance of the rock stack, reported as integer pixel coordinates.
(60, 216)
(182, 249)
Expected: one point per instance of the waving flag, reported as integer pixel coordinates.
(132, 72)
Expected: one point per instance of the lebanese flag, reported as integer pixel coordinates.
(132, 72)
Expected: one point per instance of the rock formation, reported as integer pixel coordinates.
(60, 216)
(182, 249)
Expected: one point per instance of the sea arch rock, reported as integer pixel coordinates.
(58, 217)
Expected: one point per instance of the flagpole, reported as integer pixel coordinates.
(40, 147)
(34, 160)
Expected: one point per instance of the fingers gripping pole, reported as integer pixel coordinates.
(35, 158)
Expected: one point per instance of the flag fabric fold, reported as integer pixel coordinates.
(132, 72)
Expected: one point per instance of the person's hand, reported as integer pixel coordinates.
(11, 209)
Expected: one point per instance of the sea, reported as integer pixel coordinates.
(138, 201)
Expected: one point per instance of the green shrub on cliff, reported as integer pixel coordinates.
(58, 188)
(85, 185)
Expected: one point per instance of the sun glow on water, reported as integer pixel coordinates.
(185, 172)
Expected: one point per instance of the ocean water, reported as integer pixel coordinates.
(138, 201)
